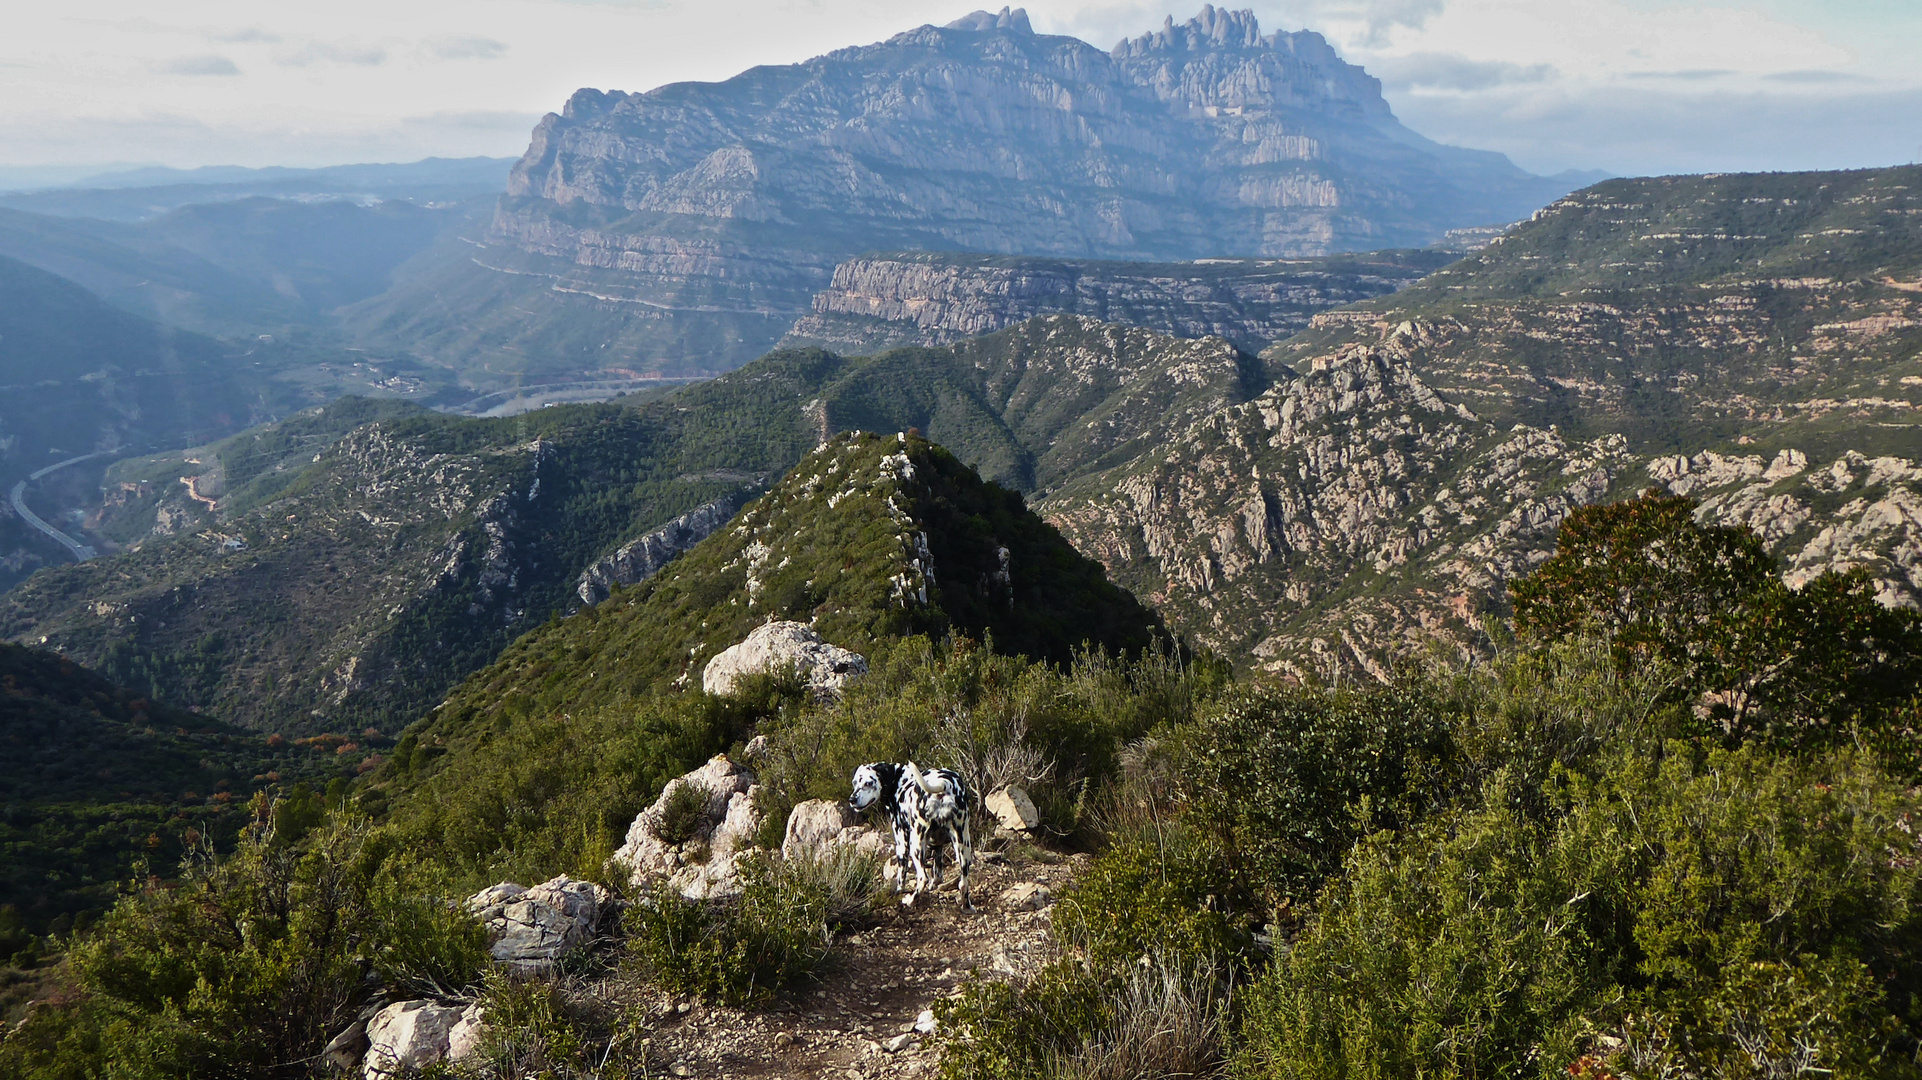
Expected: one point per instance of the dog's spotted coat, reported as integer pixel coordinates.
(928, 811)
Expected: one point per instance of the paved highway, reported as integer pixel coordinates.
(81, 552)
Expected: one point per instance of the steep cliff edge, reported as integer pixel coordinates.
(691, 224)
(881, 302)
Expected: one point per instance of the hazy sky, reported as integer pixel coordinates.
(1630, 86)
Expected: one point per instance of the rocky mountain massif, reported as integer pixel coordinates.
(684, 229)
(1751, 341)
(880, 302)
(1369, 485)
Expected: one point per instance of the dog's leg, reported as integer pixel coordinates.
(898, 866)
(964, 858)
(918, 853)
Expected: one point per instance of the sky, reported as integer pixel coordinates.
(1626, 86)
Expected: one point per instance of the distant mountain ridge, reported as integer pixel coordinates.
(692, 224)
(884, 301)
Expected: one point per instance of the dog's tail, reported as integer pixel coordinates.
(941, 796)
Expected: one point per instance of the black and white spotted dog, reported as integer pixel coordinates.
(928, 811)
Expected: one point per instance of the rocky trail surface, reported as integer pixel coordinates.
(859, 1018)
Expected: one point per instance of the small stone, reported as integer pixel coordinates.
(925, 1023)
(900, 1042)
(680, 1069)
(785, 1039)
(1013, 809)
(684, 1008)
(1027, 896)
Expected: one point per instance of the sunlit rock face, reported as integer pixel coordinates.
(728, 204)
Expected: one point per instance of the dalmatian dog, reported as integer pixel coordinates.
(928, 811)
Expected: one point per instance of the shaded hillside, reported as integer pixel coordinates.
(1784, 308)
(684, 229)
(79, 376)
(94, 777)
(357, 588)
(238, 265)
(870, 536)
(351, 570)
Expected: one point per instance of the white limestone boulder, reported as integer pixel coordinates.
(815, 825)
(819, 827)
(702, 865)
(411, 1035)
(1012, 809)
(529, 929)
(781, 645)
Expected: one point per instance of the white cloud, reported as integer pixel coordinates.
(210, 64)
(465, 48)
(1452, 71)
(328, 52)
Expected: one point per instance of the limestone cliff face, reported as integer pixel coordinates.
(1351, 514)
(932, 298)
(715, 203)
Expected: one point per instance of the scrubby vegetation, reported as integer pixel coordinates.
(1610, 850)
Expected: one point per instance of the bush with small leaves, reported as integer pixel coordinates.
(741, 951)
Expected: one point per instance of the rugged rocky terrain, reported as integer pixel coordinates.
(881, 302)
(870, 536)
(684, 229)
(1749, 341)
(343, 568)
(1369, 485)
(1785, 309)
(1351, 515)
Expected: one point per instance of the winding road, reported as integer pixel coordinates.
(81, 552)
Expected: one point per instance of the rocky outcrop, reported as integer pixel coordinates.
(818, 828)
(701, 863)
(641, 559)
(685, 223)
(408, 1036)
(1352, 514)
(932, 298)
(529, 930)
(784, 646)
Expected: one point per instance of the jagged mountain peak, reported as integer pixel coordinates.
(1220, 60)
(1015, 19)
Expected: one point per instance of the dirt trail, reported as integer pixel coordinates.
(879, 980)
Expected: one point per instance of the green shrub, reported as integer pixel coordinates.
(1292, 776)
(1675, 918)
(994, 1030)
(1791, 665)
(1174, 898)
(745, 951)
(684, 812)
(1160, 1020)
(248, 964)
(528, 1031)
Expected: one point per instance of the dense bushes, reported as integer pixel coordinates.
(1759, 657)
(742, 952)
(1700, 915)
(246, 965)
(1291, 777)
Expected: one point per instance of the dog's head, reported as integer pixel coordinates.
(872, 781)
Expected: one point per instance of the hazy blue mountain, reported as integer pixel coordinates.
(240, 266)
(142, 193)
